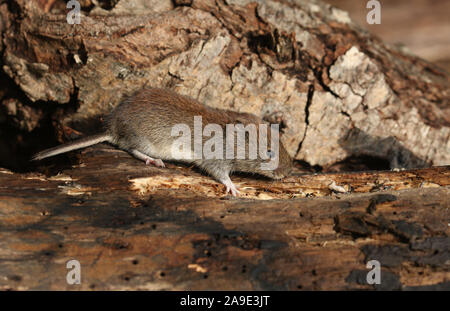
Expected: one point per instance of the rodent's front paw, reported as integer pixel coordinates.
(233, 190)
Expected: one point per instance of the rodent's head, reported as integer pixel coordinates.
(274, 165)
(257, 146)
(283, 167)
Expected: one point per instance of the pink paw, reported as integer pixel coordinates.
(233, 190)
(155, 162)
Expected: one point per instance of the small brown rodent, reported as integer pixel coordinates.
(143, 125)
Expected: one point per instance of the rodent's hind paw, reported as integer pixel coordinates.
(148, 160)
(155, 162)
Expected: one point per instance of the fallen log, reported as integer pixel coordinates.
(136, 227)
(337, 93)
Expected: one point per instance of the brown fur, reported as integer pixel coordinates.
(146, 119)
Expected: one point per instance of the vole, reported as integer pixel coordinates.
(143, 126)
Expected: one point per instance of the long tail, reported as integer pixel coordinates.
(77, 144)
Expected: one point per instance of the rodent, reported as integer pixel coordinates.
(142, 125)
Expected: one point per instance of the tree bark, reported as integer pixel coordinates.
(336, 91)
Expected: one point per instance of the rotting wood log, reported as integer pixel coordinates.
(136, 227)
(336, 91)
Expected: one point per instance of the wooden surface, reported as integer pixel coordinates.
(339, 94)
(137, 227)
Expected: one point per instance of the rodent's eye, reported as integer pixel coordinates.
(271, 154)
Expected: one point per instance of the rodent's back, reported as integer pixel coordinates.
(153, 112)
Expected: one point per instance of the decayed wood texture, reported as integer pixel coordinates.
(137, 227)
(336, 91)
